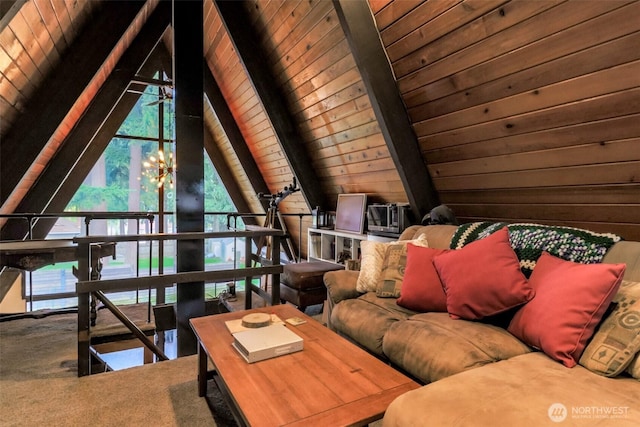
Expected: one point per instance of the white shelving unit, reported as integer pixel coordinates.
(333, 246)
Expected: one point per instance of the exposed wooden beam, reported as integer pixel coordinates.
(52, 192)
(55, 97)
(188, 33)
(247, 45)
(359, 26)
(238, 143)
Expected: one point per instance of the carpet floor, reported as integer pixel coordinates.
(39, 384)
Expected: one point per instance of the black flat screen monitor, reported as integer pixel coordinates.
(351, 212)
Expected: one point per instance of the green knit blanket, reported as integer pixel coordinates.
(529, 240)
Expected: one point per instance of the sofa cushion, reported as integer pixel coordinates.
(393, 267)
(373, 260)
(421, 287)
(483, 278)
(431, 346)
(372, 254)
(522, 391)
(366, 319)
(570, 300)
(617, 339)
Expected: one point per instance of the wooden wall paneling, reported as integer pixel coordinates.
(388, 12)
(234, 135)
(377, 5)
(345, 80)
(586, 35)
(622, 194)
(12, 69)
(329, 48)
(598, 131)
(45, 8)
(597, 108)
(319, 117)
(607, 173)
(361, 32)
(574, 39)
(594, 153)
(82, 62)
(39, 29)
(296, 24)
(303, 39)
(372, 145)
(348, 137)
(537, 27)
(42, 194)
(421, 16)
(456, 29)
(273, 102)
(604, 82)
(31, 46)
(64, 20)
(559, 212)
(589, 60)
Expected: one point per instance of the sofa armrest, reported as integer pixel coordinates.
(341, 285)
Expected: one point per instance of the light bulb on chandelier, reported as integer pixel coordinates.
(159, 170)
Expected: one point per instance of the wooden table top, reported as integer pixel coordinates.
(330, 382)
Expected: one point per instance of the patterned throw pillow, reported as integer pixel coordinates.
(371, 265)
(617, 341)
(393, 266)
(634, 367)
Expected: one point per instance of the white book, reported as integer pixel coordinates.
(267, 342)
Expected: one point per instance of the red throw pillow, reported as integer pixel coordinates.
(483, 278)
(570, 301)
(421, 287)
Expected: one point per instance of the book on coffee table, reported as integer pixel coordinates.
(267, 342)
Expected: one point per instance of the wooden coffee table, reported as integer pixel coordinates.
(330, 382)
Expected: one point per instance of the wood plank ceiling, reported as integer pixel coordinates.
(523, 111)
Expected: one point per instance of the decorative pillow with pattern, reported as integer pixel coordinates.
(372, 256)
(393, 267)
(617, 341)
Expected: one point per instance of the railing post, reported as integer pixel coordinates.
(84, 340)
(275, 278)
(248, 285)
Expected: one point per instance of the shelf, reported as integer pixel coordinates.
(333, 246)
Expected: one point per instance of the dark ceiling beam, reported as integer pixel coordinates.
(60, 90)
(247, 45)
(64, 174)
(368, 51)
(238, 143)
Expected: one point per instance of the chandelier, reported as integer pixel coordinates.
(159, 170)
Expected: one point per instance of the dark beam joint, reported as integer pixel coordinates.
(359, 26)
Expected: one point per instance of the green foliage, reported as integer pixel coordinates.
(116, 194)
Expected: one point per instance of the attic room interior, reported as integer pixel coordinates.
(437, 202)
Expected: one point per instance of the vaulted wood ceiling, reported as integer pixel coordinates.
(503, 110)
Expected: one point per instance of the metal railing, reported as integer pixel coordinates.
(85, 286)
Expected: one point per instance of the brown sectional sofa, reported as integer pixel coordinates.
(475, 372)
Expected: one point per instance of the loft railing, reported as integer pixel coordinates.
(85, 286)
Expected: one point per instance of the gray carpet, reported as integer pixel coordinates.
(39, 384)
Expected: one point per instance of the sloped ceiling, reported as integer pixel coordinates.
(518, 110)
